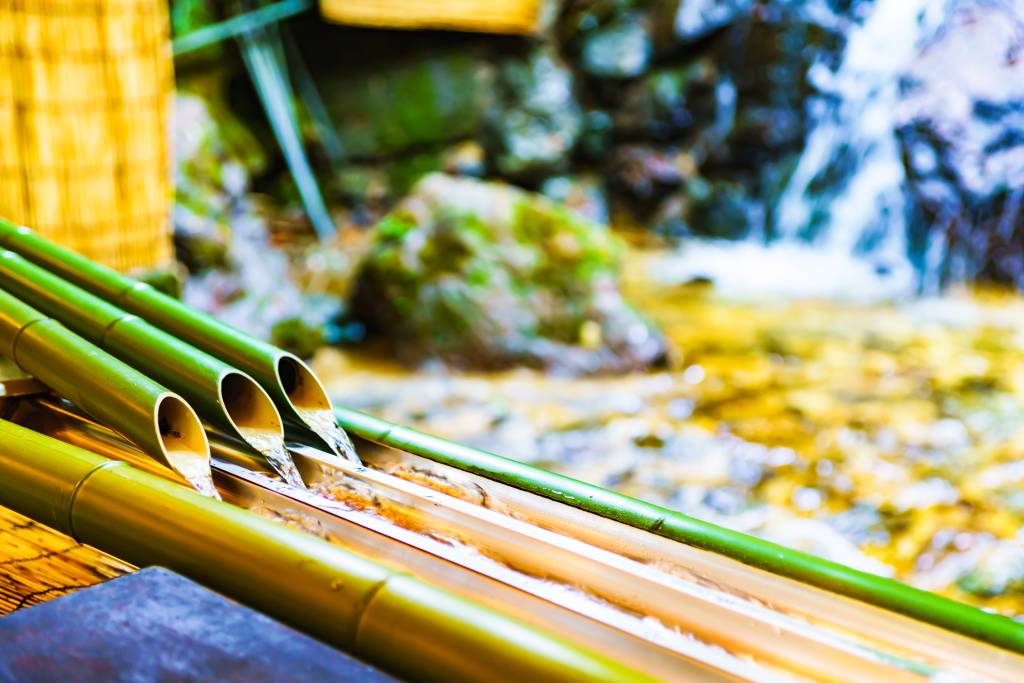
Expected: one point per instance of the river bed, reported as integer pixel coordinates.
(886, 436)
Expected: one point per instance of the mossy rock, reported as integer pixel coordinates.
(485, 275)
(391, 108)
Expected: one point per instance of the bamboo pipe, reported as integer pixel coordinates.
(876, 590)
(228, 398)
(296, 391)
(161, 423)
(392, 619)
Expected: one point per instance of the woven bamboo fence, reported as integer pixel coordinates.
(85, 96)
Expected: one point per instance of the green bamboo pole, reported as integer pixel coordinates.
(882, 592)
(161, 423)
(237, 25)
(226, 397)
(409, 627)
(296, 391)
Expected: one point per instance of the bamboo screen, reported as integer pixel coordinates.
(85, 96)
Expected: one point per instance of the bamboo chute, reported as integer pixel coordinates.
(160, 422)
(85, 97)
(296, 391)
(670, 610)
(876, 590)
(407, 626)
(220, 393)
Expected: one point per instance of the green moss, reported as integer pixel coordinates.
(391, 108)
(505, 285)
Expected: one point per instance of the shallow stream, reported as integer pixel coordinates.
(886, 436)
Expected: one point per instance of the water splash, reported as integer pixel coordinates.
(195, 470)
(271, 446)
(323, 424)
(283, 464)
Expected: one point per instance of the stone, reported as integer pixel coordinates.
(647, 172)
(696, 19)
(484, 275)
(621, 49)
(668, 102)
(583, 194)
(155, 625)
(392, 106)
(534, 121)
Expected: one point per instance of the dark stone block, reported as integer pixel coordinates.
(155, 625)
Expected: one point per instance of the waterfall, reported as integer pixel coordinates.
(853, 146)
(840, 226)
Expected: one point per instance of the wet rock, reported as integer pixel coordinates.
(215, 157)
(389, 106)
(583, 194)
(695, 19)
(962, 140)
(534, 121)
(722, 209)
(620, 49)
(646, 173)
(485, 275)
(669, 101)
(719, 209)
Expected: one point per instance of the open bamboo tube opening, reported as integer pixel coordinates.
(292, 386)
(184, 442)
(248, 408)
(312, 404)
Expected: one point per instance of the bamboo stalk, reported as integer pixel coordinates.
(228, 398)
(876, 590)
(161, 423)
(410, 627)
(296, 391)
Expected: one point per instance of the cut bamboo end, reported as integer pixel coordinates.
(248, 406)
(312, 405)
(300, 385)
(251, 412)
(183, 442)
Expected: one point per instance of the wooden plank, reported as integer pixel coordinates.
(485, 16)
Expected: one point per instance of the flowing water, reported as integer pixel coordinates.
(195, 470)
(271, 446)
(886, 436)
(323, 424)
(841, 227)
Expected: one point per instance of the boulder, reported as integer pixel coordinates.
(620, 49)
(534, 120)
(668, 102)
(484, 275)
(390, 106)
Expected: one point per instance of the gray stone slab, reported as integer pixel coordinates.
(155, 625)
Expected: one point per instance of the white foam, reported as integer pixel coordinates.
(790, 270)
